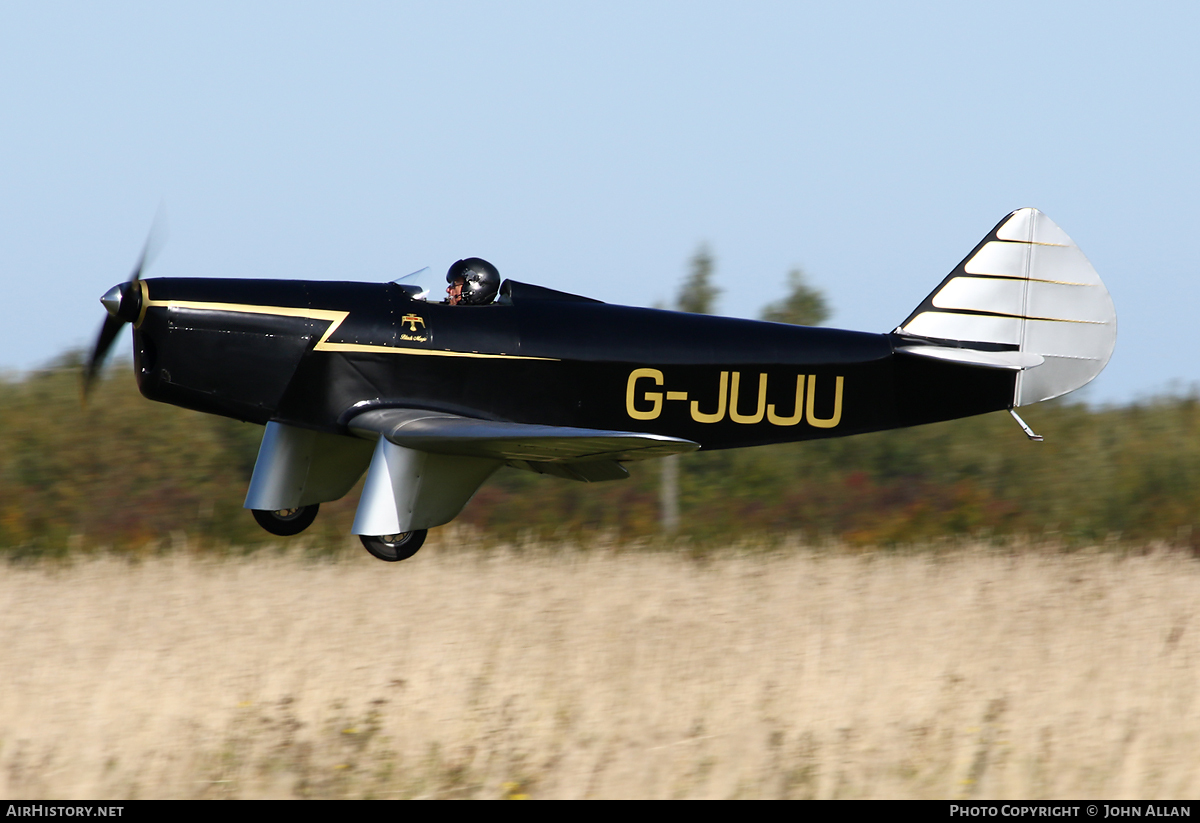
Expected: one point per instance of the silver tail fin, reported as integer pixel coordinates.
(1027, 299)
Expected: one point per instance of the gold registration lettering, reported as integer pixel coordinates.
(797, 410)
(736, 416)
(643, 403)
(654, 397)
(722, 397)
(830, 422)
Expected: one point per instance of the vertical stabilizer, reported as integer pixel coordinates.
(1025, 288)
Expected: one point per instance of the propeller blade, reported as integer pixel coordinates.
(108, 333)
(122, 302)
(136, 274)
(155, 240)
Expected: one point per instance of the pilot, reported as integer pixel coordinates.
(473, 282)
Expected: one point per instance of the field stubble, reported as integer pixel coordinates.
(552, 672)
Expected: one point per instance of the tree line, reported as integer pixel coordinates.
(130, 474)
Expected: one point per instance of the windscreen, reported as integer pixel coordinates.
(423, 284)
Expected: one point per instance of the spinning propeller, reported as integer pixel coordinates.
(123, 303)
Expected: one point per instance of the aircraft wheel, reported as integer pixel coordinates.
(287, 522)
(394, 547)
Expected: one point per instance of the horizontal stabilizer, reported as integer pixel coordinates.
(1013, 360)
(441, 433)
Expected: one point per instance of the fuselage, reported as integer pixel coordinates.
(314, 354)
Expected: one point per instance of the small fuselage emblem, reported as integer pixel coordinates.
(409, 332)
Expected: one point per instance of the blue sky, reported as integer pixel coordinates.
(593, 148)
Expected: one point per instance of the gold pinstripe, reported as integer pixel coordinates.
(335, 318)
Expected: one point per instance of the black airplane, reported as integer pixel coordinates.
(430, 398)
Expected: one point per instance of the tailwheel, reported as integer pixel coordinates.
(394, 547)
(286, 522)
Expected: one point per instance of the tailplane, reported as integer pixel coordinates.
(1024, 299)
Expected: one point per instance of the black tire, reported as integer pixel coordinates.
(287, 522)
(394, 547)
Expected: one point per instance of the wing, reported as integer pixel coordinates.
(577, 454)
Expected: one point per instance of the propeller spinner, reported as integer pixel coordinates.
(123, 303)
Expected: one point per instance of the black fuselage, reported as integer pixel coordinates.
(314, 354)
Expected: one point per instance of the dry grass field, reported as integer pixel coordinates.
(547, 672)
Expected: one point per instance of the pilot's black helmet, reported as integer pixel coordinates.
(481, 280)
